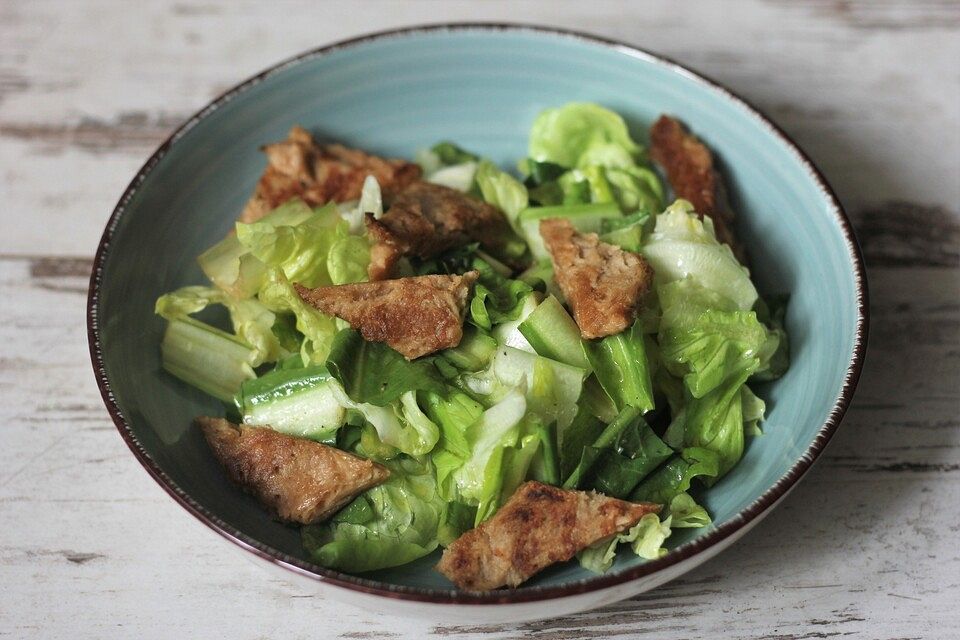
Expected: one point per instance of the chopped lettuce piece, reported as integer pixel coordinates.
(705, 339)
(373, 373)
(300, 250)
(401, 426)
(458, 176)
(580, 135)
(551, 388)
(354, 213)
(474, 352)
(682, 245)
(620, 364)
(348, 260)
(713, 422)
(450, 154)
(775, 356)
(318, 329)
(502, 190)
(552, 333)
(479, 479)
(686, 513)
(231, 266)
(646, 539)
(507, 333)
(389, 525)
(674, 476)
(606, 439)
(753, 411)
(624, 453)
(499, 300)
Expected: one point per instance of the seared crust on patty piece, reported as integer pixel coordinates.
(690, 170)
(602, 283)
(537, 527)
(427, 219)
(414, 316)
(301, 480)
(299, 167)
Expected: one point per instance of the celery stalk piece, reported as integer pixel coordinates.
(206, 357)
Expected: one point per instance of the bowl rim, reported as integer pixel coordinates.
(743, 519)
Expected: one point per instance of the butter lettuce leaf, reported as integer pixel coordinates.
(705, 339)
(580, 134)
(684, 246)
(387, 526)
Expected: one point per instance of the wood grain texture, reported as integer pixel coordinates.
(865, 546)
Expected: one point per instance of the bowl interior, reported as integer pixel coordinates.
(481, 88)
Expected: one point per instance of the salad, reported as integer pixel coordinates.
(518, 368)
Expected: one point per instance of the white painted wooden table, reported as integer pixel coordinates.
(866, 546)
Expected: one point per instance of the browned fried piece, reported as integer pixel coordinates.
(318, 174)
(301, 480)
(690, 169)
(538, 526)
(603, 284)
(428, 219)
(415, 316)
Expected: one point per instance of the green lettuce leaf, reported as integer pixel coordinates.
(450, 154)
(399, 427)
(348, 259)
(620, 364)
(318, 329)
(373, 373)
(232, 267)
(300, 250)
(674, 476)
(753, 411)
(646, 539)
(686, 513)
(580, 135)
(551, 388)
(624, 453)
(387, 526)
(481, 477)
(775, 356)
(502, 191)
(705, 339)
(684, 246)
(713, 422)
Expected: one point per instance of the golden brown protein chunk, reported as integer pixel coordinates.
(538, 526)
(603, 284)
(428, 219)
(301, 480)
(299, 167)
(415, 316)
(690, 169)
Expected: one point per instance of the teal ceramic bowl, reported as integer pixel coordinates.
(482, 86)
